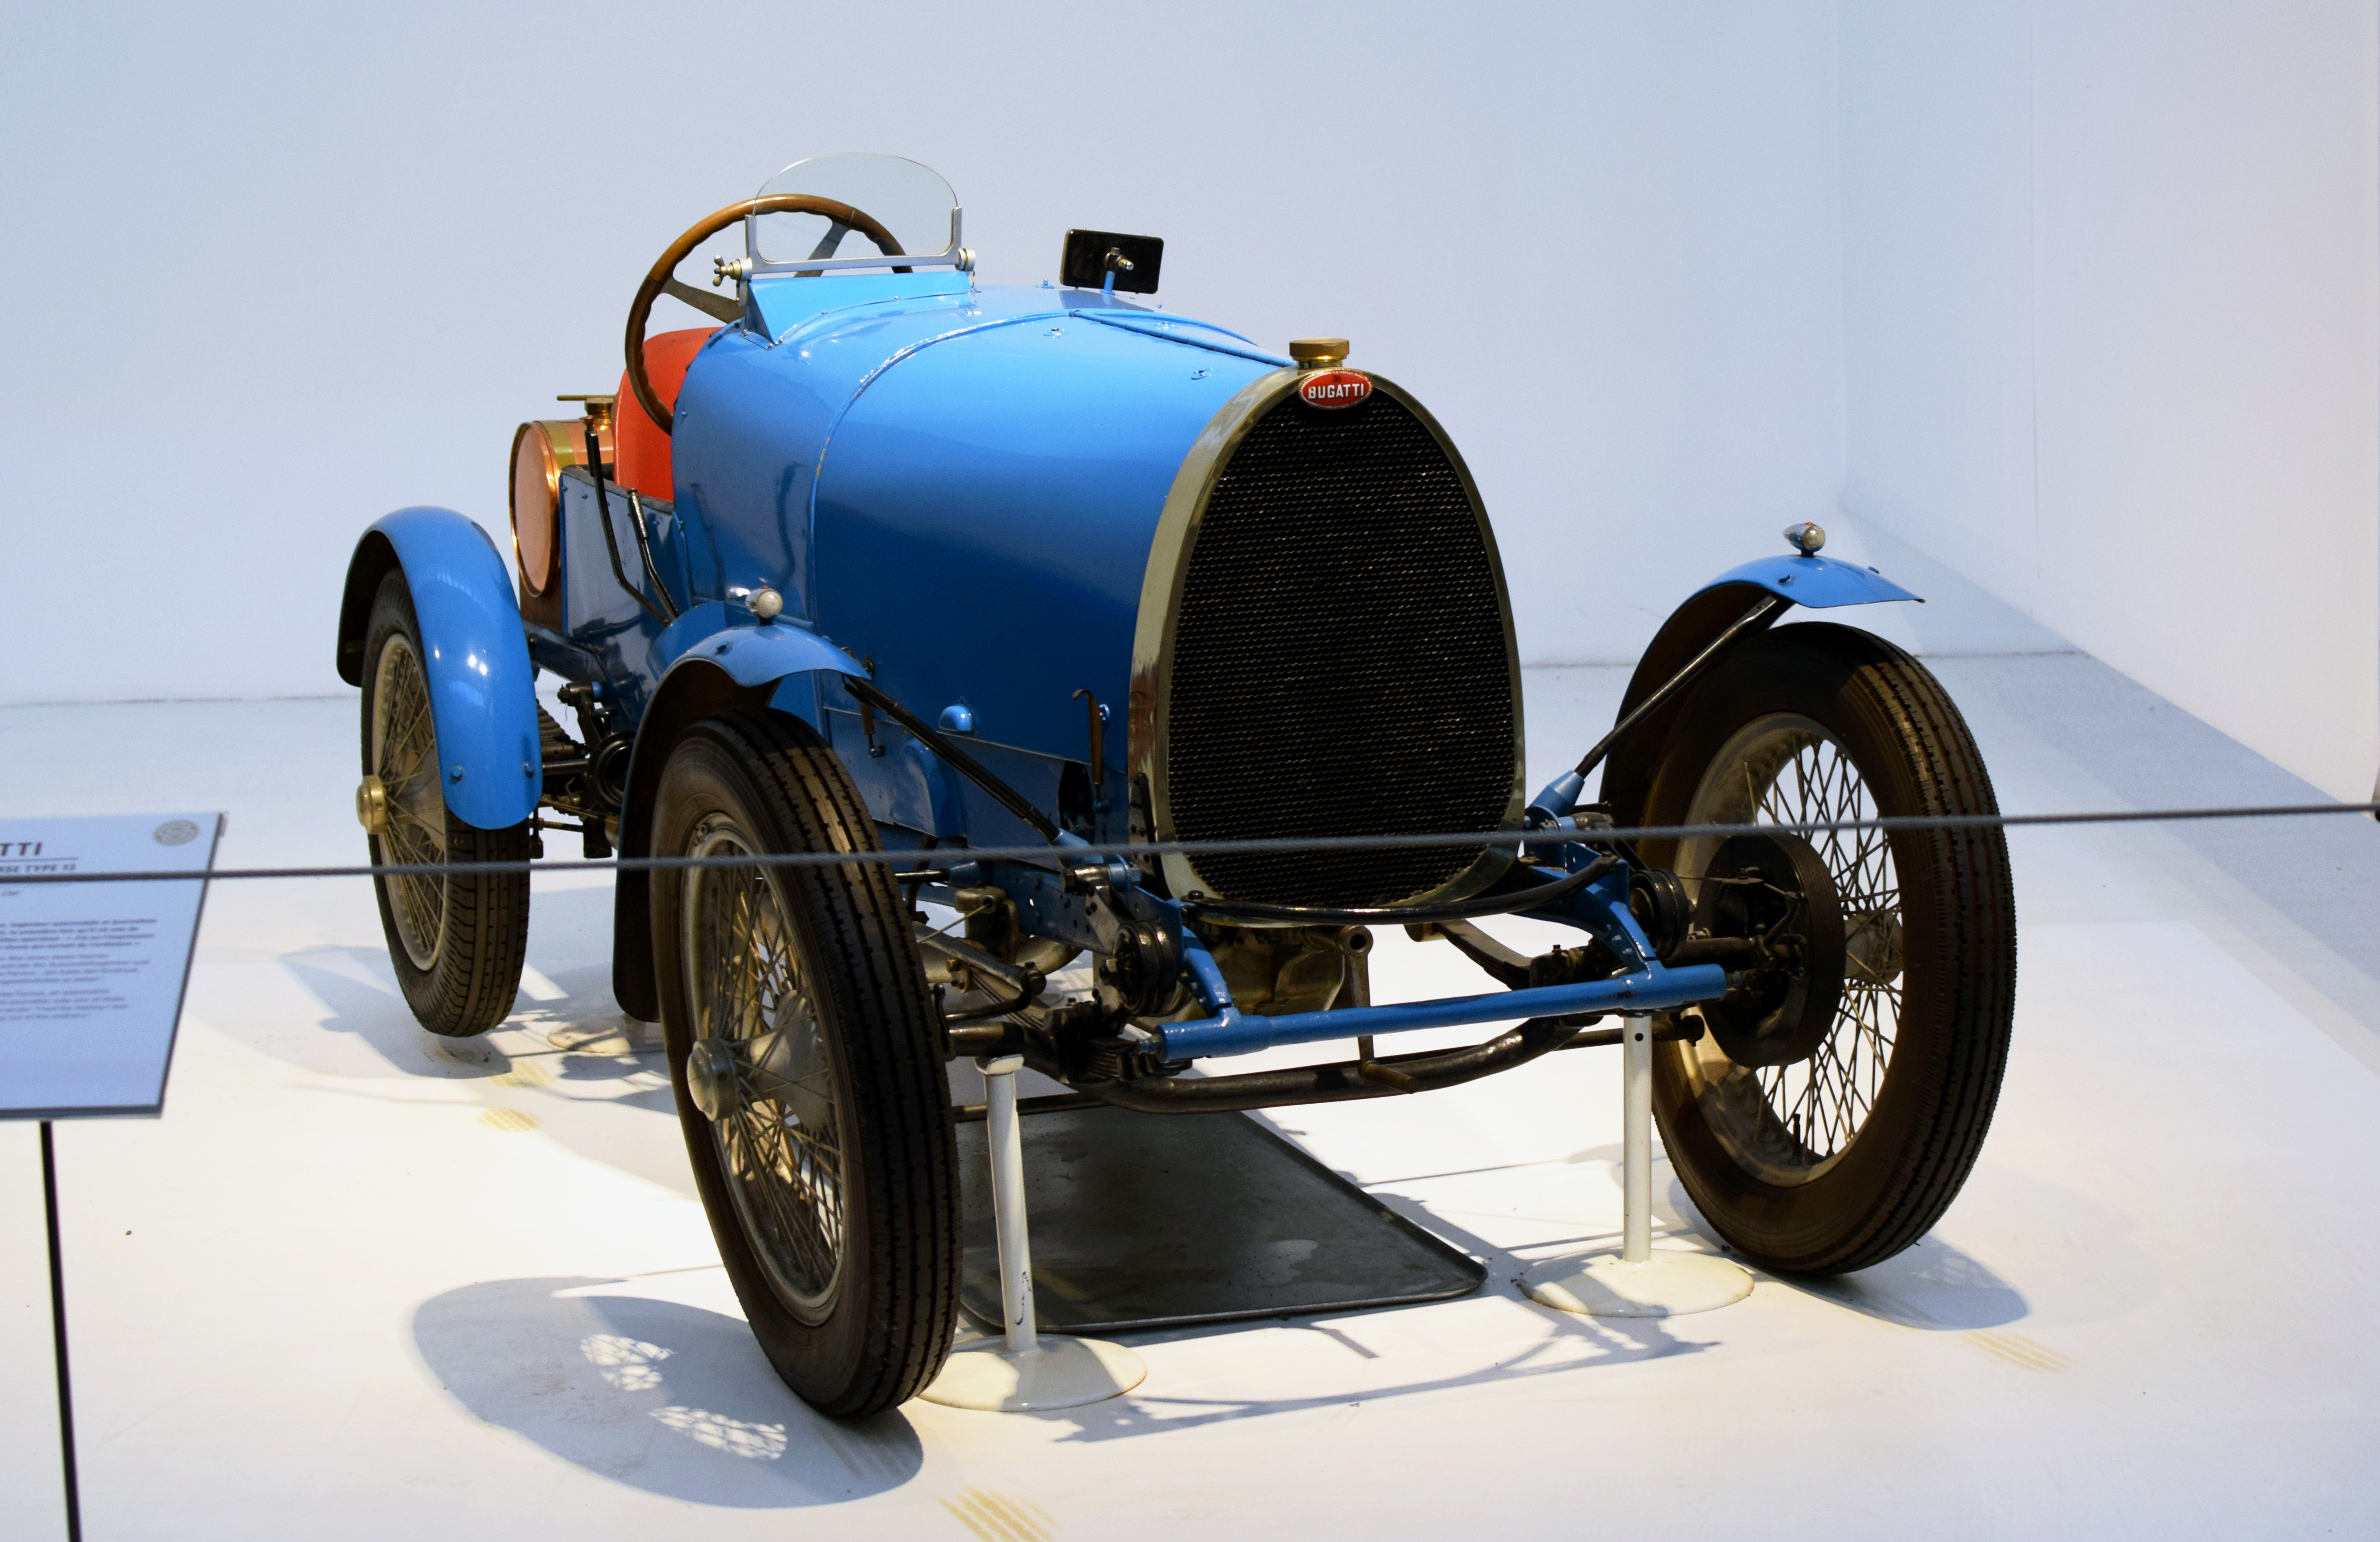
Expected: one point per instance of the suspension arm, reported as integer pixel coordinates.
(1392, 1076)
(1646, 990)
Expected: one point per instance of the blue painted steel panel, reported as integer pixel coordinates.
(482, 688)
(1820, 583)
(598, 614)
(1023, 467)
(754, 415)
(1181, 329)
(926, 792)
(757, 409)
(750, 418)
(915, 467)
(894, 778)
(787, 301)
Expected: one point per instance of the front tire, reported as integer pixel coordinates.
(457, 940)
(1840, 1160)
(808, 1063)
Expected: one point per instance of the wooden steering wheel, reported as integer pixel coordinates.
(661, 280)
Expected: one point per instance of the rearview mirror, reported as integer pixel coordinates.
(1085, 264)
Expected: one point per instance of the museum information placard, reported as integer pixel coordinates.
(91, 974)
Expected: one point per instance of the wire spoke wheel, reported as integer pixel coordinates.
(785, 1172)
(403, 755)
(1793, 1122)
(457, 940)
(808, 1061)
(1842, 1156)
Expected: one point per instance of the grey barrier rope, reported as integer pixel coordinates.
(955, 855)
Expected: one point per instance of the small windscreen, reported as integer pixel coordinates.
(884, 206)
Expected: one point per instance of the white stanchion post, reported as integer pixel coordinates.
(1022, 1371)
(1636, 1142)
(1637, 1281)
(1006, 1141)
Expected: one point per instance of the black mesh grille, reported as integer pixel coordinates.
(1339, 664)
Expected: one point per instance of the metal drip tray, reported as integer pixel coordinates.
(1157, 1220)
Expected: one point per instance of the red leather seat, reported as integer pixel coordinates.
(640, 449)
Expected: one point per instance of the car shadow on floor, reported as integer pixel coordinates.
(1934, 1284)
(607, 1099)
(660, 1396)
(566, 995)
(1930, 1285)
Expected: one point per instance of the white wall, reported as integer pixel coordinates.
(2112, 338)
(278, 270)
(2081, 300)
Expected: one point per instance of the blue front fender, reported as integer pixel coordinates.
(483, 687)
(716, 657)
(753, 652)
(708, 642)
(1820, 583)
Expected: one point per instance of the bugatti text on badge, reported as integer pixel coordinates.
(1335, 388)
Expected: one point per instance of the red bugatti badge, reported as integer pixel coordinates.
(1335, 388)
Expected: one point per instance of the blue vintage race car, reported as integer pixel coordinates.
(1013, 582)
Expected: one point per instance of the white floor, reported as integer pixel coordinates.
(358, 1283)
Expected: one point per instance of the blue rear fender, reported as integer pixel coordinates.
(483, 687)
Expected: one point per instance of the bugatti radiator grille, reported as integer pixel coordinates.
(1340, 662)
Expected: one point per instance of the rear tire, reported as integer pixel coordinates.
(1843, 1160)
(457, 940)
(808, 1061)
